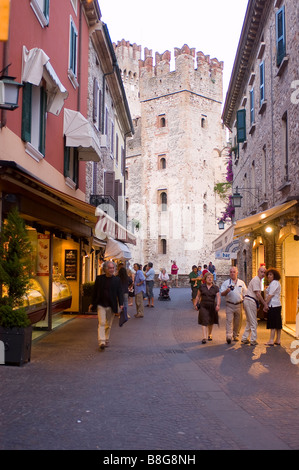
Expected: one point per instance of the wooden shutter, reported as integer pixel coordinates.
(66, 166)
(241, 125)
(26, 112)
(280, 35)
(109, 183)
(43, 116)
(123, 161)
(100, 110)
(76, 167)
(116, 194)
(47, 9)
(95, 100)
(252, 106)
(262, 82)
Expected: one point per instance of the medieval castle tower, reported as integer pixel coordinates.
(173, 161)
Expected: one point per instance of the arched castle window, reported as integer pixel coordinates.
(163, 201)
(162, 162)
(162, 120)
(163, 246)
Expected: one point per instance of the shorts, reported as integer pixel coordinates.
(174, 276)
(194, 292)
(149, 289)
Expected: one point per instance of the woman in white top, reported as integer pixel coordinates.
(274, 322)
(163, 276)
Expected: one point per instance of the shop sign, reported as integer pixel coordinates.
(43, 254)
(225, 255)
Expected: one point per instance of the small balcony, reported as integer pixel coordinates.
(106, 203)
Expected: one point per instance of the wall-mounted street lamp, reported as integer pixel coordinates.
(221, 224)
(9, 93)
(237, 198)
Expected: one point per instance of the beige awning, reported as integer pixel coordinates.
(35, 66)
(249, 224)
(117, 250)
(107, 227)
(80, 133)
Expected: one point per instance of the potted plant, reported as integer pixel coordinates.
(87, 290)
(15, 268)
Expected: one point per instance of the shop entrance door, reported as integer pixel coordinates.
(291, 283)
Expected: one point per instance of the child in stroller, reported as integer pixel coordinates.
(164, 291)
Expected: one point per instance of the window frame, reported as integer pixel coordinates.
(71, 166)
(42, 14)
(73, 54)
(251, 104)
(280, 35)
(262, 82)
(241, 125)
(34, 118)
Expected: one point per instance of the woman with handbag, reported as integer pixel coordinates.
(208, 300)
(274, 321)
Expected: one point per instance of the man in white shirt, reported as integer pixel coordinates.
(234, 291)
(251, 305)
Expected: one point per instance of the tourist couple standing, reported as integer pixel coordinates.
(236, 295)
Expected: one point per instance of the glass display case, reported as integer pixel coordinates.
(61, 294)
(35, 302)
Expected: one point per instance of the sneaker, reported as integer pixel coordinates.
(245, 341)
(253, 343)
(102, 346)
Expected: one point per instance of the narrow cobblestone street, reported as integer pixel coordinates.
(155, 388)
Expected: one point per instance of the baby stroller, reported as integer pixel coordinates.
(164, 291)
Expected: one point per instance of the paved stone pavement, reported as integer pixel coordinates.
(155, 388)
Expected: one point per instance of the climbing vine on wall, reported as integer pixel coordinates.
(223, 190)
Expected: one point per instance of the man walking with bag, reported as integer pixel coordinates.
(107, 296)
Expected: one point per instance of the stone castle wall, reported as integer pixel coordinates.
(179, 137)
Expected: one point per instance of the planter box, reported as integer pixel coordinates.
(17, 345)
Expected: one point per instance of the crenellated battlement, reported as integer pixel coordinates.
(192, 70)
(130, 55)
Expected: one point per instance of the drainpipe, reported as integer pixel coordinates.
(4, 66)
(79, 59)
(272, 117)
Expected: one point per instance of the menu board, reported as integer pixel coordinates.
(70, 265)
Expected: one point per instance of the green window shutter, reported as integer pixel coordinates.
(251, 94)
(66, 165)
(43, 116)
(95, 100)
(280, 35)
(262, 82)
(241, 125)
(76, 167)
(26, 112)
(47, 9)
(73, 49)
